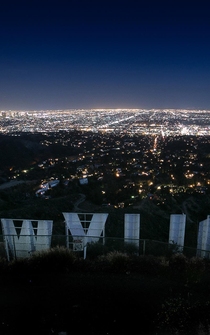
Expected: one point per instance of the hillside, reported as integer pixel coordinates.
(20, 202)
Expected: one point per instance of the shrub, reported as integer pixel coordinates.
(131, 249)
(159, 249)
(178, 264)
(114, 244)
(95, 249)
(196, 269)
(52, 260)
(146, 264)
(121, 246)
(3, 265)
(118, 262)
(17, 266)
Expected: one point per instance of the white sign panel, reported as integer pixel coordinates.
(74, 225)
(25, 236)
(132, 228)
(203, 240)
(87, 226)
(177, 229)
(96, 226)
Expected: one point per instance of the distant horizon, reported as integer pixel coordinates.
(100, 108)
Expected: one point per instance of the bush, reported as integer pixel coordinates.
(196, 269)
(17, 267)
(160, 249)
(131, 249)
(3, 264)
(118, 262)
(60, 259)
(52, 260)
(147, 264)
(178, 264)
(95, 249)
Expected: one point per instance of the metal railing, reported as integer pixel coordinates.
(12, 247)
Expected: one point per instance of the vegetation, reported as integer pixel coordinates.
(162, 294)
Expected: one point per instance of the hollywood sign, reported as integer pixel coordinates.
(23, 237)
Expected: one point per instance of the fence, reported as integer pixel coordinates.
(10, 249)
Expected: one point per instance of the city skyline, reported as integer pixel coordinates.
(158, 122)
(107, 54)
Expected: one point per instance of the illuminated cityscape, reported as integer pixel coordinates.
(165, 122)
(124, 155)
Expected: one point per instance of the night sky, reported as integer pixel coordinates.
(104, 54)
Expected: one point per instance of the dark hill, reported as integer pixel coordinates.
(24, 150)
(18, 152)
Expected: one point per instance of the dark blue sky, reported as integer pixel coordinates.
(104, 54)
